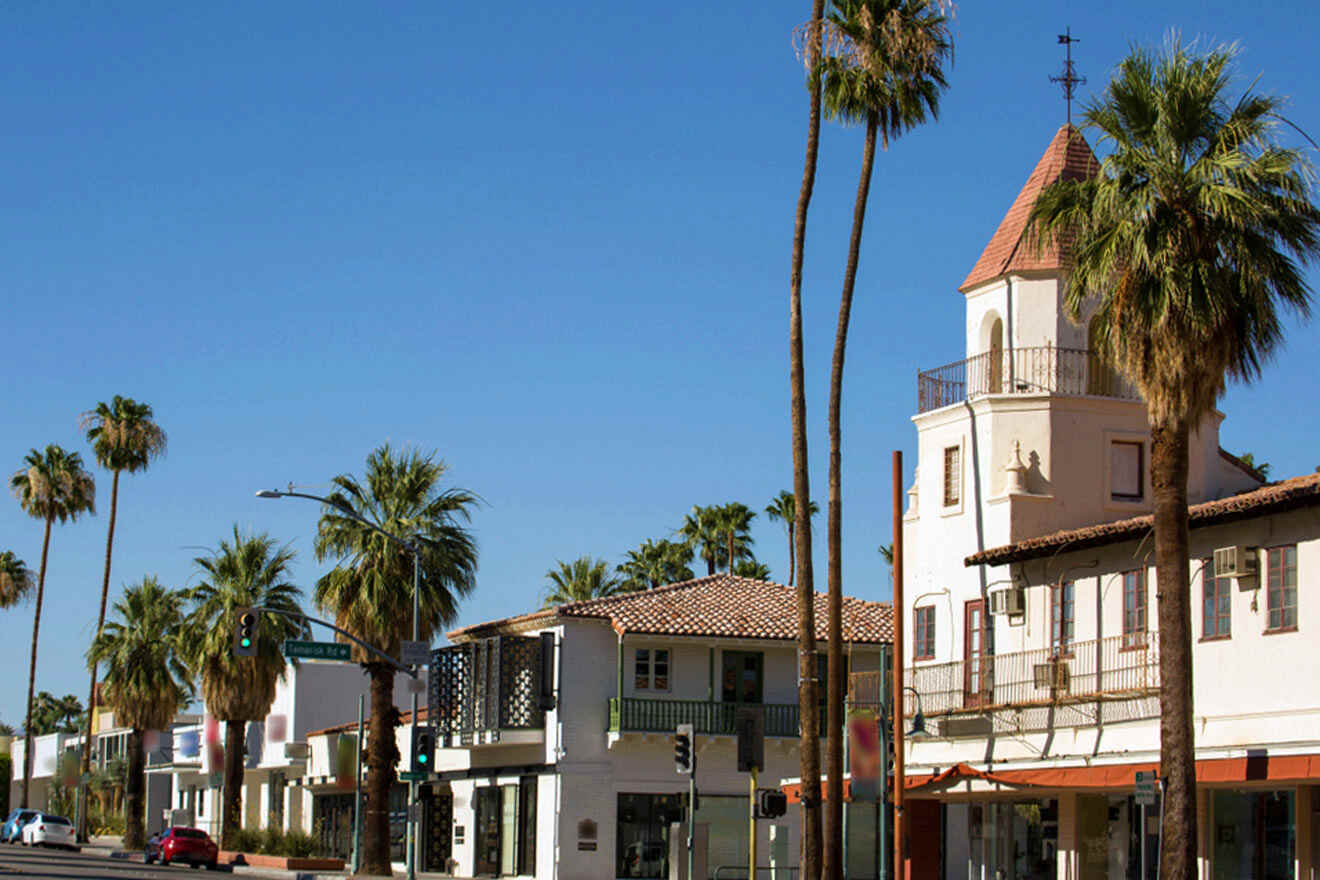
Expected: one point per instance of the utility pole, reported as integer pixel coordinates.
(897, 567)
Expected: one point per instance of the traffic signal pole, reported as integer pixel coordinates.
(751, 822)
(692, 816)
(412, 783)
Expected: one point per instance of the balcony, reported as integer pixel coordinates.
(1105, 680)
(1071, 372)
(491, 691)
(635, 715)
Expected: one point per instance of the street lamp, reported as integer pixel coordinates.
(918, 730)
(413, 547)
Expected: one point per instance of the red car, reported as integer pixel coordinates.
(179, 844)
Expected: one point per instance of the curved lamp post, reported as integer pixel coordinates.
(414, 548)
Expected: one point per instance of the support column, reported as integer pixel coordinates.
(1069, 841)
(1205, 830)
(1305, 804)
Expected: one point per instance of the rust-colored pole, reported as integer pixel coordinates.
(899, 841)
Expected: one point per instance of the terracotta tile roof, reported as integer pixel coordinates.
(718, 606)
(1068, 157)
(1274, 498)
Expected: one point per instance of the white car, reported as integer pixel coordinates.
(47, 829)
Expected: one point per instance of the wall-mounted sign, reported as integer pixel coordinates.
(587, 833)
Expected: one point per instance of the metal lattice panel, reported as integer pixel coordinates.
(479, 687)
(520, 682)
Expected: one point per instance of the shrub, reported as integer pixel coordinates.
(298, 845)
(272, 842)
(244, 840)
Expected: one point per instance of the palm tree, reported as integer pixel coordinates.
(1249, 459)
(146, 681)
(735, 523)
(15, 580)
(51, 486)
(656, 563)
(750, 568)
(886, 71)
(783, 508)
(123, 438)
(370, 592)
(582, 579)
(245, 572)
(701, 531)
(1186, 244)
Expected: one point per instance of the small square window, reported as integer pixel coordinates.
(651, 669)
(952, 476)
(1126, 471)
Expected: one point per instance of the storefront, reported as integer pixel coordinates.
(506, 829)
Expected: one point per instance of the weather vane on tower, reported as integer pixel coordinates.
(1069, 79)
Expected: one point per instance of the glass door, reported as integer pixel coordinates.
(976, 664)
(487, 859)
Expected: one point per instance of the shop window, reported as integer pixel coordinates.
(643, 822)
(1062, 606)
(1126, 471)
(1254, 834)
(952, 476)
(651, 669)
(506, 829)
(1281, 587)
(1216, 603)
(923, 633)
(1134, 609)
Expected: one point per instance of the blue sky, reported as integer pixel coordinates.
(548, 241)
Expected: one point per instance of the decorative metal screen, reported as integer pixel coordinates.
(481, 687)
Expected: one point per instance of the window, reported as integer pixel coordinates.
(651, 669)
(1126, 471)
(1216, 603)
(1062, 605)
(923, 633)
(1134, 609)
(1281, 568)
(952, 476)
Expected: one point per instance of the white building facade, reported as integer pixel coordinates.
(1029, 593)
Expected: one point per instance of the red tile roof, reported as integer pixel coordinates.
(1011, 249)
(1274, 498)
(718, 606)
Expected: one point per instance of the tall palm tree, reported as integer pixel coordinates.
(656, 563)
(123, 438)
(146, 681)
(750, 568)
(370, 592)
(582, 579)
(15, 580)
(783, 508)
(701, 530)
(53, 485)
(735, 525)
(1186, 244)
(885, 70)
(244, 572)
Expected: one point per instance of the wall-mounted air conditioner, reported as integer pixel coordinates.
(1010, 599)
(1238, 562)
(1054, 675)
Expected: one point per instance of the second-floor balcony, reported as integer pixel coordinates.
(638, 715)
(1081, 684)
(491, 691)
(1037, 370)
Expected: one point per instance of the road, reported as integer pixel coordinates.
(25, 861)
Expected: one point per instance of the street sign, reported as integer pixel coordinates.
(409, 776)
(414, 653)
(317, 650)
(1146, 783)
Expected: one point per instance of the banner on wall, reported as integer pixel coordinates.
(866, 757)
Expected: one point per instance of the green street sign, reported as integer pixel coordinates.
(409, 776)
(1145, 785)
(317, 650)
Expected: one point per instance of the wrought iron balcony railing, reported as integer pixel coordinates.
(631, 714)
(1047, 687)
(1040, 370)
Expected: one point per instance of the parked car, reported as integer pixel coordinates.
(47, 829)
(14, 822)
(180, 844)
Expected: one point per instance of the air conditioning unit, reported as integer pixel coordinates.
(1055, 675)
(1010, 600)
(1236, 562)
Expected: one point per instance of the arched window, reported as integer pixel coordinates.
(995, 357)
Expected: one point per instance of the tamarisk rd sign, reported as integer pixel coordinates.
(296, 648)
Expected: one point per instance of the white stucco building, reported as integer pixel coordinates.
(1030, 606)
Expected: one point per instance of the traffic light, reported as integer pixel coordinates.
(683, 761)
(245, 633)
(771, 803)
(423, 749)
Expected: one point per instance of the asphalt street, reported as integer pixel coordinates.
(26, 861)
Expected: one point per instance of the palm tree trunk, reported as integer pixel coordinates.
(235, 754)
(792, 560)
(808, 706)
(731, 551)
(1168, 460)
(382, 755)
(91, 690)
(32, 667)
(832, 868)
(135, 789)
(710, 563)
